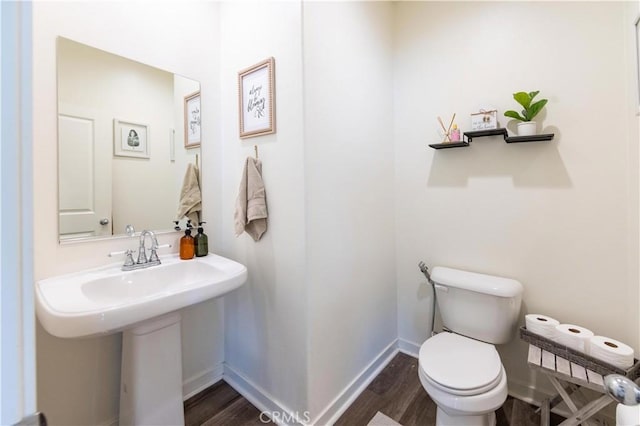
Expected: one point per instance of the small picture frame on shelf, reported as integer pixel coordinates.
(484, 120)
(256, 92)
(130, 139)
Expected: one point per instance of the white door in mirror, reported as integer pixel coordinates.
(84, 179)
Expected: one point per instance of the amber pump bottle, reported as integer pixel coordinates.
(187, 244)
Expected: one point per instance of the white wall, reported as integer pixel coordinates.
(320, 303)
(78, 380)
(348, 106)
(266, 319)
(559, 216)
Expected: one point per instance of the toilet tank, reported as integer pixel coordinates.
(483, 307)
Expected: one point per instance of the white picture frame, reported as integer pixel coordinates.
(256, 92)
(130, 139)
(192, 120)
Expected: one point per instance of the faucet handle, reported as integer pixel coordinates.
(153, 257)
(129, 258)
(128, 261)
(118, 253)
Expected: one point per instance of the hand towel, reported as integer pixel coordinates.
(250, 215)
(190, 203)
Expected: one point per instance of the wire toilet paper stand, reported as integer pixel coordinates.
(568, 371)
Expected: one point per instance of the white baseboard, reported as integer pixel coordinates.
(199, 382)
(349, 394)
(262, 400)
(409, 348)
(265, 402)
(112, 422)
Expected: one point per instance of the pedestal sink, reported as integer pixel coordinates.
(143, 304)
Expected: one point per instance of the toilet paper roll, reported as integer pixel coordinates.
(573, 336)
(611, 351)
(541, 325)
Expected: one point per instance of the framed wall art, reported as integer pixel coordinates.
(256, 91)
(130, 139)
(192, 120)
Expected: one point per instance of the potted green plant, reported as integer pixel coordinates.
(526, 127)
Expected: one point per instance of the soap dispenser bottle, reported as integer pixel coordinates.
(201, 241)
(187, 245)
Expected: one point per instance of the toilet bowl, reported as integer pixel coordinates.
(464, 377)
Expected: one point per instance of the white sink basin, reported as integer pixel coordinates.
(107, 300)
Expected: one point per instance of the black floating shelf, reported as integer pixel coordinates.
(482, 133)
(494, 132)
(449, 145)
(533, 138)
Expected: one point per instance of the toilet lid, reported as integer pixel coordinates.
(458, 362)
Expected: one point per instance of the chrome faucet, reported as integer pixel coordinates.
(142, 250)
(143, 261)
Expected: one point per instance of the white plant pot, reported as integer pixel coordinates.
(527, 128)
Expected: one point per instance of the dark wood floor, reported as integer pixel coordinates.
(221, 405)
(396, 392)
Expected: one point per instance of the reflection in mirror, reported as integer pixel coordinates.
(122, 154)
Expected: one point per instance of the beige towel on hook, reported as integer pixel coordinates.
(251, 206)
(190, 203)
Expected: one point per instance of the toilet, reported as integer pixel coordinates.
(460, 367)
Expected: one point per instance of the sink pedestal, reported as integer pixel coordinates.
(151, 384)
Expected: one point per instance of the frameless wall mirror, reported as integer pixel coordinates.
(126, 134)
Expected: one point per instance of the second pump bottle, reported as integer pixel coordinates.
(190, 246)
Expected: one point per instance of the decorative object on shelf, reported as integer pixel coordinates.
(484, 120)
(455, 133)
(256, 90)
(526, 127)
(447, 130)
(192, 120)
(130, 139)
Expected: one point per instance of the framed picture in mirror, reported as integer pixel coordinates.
(130, 139)
(256, 91)
(192, 120)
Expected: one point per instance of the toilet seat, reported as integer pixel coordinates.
(459, 365)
